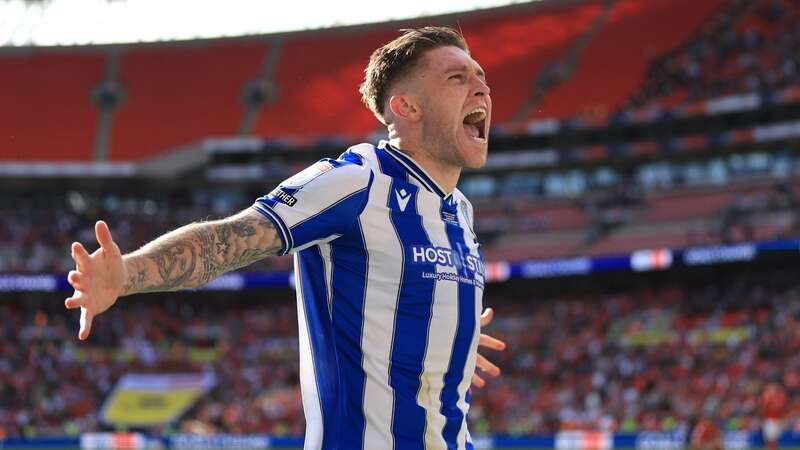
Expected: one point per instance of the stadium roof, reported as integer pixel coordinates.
(26, 23)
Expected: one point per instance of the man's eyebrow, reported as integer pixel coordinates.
(463, 68)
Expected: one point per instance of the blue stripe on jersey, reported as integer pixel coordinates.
(352, 157)
(464, 333)
(349, 285)
(335, 219)
(390, 166)
(263, 206)
(414, 169)
(411, 323)
(320, 332)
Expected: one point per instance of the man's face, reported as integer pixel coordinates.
(456, 106)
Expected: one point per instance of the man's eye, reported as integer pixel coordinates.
(457, 77)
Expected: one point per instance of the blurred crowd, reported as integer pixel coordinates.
(57, 385)
(643, 358)
(656, 358)
(37, 233)
(748, 46)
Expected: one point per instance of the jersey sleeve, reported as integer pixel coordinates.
(317, 204)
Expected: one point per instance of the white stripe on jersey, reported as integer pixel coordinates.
(308, 377)
(469, 367)
(442, 331)
(380, 306)
(325, 252)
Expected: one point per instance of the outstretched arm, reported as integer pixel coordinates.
(195, 254)
(188, 257)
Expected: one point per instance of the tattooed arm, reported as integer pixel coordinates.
(188, 257)
(195, 254)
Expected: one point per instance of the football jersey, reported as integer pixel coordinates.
(389, 280)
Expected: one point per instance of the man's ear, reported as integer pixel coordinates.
(404, 106)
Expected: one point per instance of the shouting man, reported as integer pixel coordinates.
(389, 272)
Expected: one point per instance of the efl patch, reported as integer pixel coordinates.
(284, 196)
(306, 175)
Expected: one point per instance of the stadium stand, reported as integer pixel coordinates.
(136, 216)
(178, 94)
(652, 352)
(317, 80)
(653, 358)
(47, 111)
(748, 47)
(515, 51)
(645, 355)
(318, 91)
(64, 385)
(615, 60)
(512, 228)
(173, 83)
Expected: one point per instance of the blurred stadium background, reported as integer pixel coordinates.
(640, 213)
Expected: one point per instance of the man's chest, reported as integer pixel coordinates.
(429, 238)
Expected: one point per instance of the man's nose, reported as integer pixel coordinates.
(481, 87)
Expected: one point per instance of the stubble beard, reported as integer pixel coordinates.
(441, 145)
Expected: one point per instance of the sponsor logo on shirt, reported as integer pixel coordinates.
(444, 256)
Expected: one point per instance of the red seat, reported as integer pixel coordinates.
(180, 93)
(632, 238)
(318, 77)
(513, 49)
(46, 112)
(319, 74)
(681, 206)
(614, 62)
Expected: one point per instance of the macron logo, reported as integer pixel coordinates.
(402, 198)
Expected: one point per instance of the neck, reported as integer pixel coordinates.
(444, 174)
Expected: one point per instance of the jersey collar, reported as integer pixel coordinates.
(413, 169)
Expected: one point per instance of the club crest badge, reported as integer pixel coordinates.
(308, 174)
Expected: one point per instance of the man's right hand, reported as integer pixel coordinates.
(98, 279)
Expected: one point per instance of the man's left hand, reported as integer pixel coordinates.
(486, 366)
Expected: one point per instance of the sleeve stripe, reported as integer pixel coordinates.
(365, 188)
(286, 236)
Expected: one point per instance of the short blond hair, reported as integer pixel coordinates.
(395, 59)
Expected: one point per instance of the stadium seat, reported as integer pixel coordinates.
(317, 78)
(645, 236)
(514, 50)
(319, 74)
(181, 93)
(680, 205)
(522, 246)
(614, 62)
(553, 215)
(47, 110)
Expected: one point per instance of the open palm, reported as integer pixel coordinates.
(98, 278)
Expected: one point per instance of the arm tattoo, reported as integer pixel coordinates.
(175, 263)
(194, 255)
(137, 274)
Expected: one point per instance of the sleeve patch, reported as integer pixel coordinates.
(284, 196)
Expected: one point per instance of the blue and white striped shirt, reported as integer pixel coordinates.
(389, 280)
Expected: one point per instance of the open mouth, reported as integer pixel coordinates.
(475, 124)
